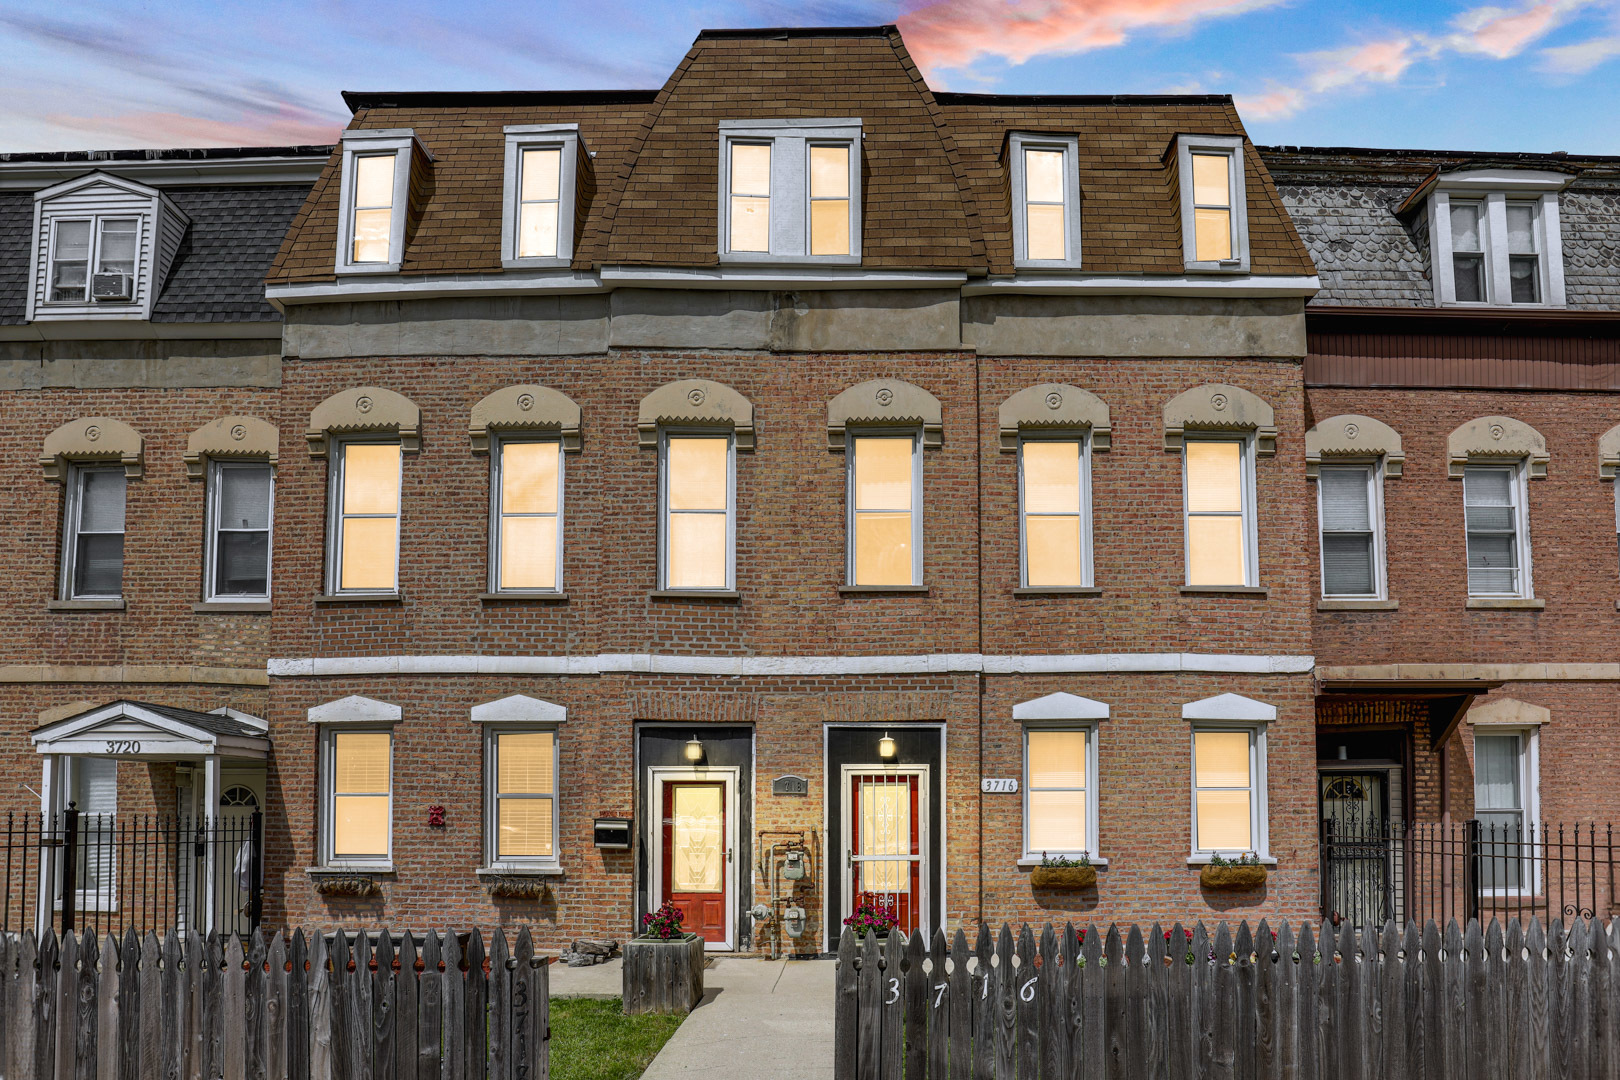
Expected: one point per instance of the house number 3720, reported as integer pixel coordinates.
(999, 787)
(123, 748)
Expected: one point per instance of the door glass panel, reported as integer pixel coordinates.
(885, 829)
(696, 861)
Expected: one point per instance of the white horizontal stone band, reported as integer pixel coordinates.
(918, 664)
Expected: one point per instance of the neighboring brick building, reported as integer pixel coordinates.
(1470, 306)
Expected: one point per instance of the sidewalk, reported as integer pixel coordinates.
(758, 1018)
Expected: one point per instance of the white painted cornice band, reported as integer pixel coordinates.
(918, 664)
(1247, 285)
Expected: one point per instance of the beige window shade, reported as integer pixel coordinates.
(750, 196)
(529, 514)
(1052, 514)
(697, 497)
(525, 794)
(1212, 206)
(1057, 791)
(361, 792)
(373, 206)
(1224, 790)
(829, 200)
(884, 509)
(369, 508)
(1215, 509)
(538, 206)
(1043, 204)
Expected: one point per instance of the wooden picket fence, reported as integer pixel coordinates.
(330, 1007)
(1458, 1004)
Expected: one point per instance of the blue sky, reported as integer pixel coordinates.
(1535, 75)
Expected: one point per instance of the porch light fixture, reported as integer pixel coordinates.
(886, 746)
(694, 749)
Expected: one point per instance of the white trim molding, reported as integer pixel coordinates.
(1234, 707)
(355, 709)
(519, 709)
(1510, 712)
(1353, 437)
(1061, 706)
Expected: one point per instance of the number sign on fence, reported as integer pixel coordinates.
(1327, 1004)
(413, 1007)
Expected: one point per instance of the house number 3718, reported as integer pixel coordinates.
(999, 787)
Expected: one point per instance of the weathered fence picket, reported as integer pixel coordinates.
(188, 1007)
(1316, 1002)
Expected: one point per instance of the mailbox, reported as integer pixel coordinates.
(612, 833)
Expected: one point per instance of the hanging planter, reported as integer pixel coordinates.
(517, 887)
(1245, 872)
(355, 886)
(1063, 877)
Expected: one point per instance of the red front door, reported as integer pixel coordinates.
(885, 845)
(694, 856)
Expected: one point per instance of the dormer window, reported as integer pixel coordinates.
(375, 196)
(1214, 213)
(1468, 251)
(112, 253)
(790, 191)
(1046, 195)
(102, 248)
(543, 165)
(1494, 235)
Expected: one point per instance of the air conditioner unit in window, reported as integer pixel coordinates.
(111, 286)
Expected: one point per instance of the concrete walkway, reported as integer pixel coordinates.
(766, 1018)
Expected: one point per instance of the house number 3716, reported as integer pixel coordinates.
(999, 787)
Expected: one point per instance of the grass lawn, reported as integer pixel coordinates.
(594, 1040)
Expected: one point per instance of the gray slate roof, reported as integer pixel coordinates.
(214, 722)
(218, 273)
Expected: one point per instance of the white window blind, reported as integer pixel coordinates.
(1043, 204)
(1491, 510)
(1524, 259)
(1499, 805)
(525, 795)
(361, 793)
(241, 547)
(95, 795)
(1468, 251)
(1348, 542)
(96, 543)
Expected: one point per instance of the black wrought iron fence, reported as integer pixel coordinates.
(1466, 870)
(109, 873)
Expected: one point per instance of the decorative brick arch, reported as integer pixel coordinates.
(885, 402)
(231, 437)
(525, 408)
(1496, 438)
(695, 402)
(1220, 407)
(1355, 436)
(1055, 407)
(363, 409)
(93, 438)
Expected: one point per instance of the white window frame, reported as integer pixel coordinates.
(492, 797)
(1375, 514)
(70, 530)
(853, 451)
(1251, 529)
(664, 437)
(1259, 817)
(211, 533)
(1083, 437)
(521, 137)
(1069, 146)
(1091, 728)
(1521, 524)
(87, 899)
(94, 253)
(497, 460)
(1530, 795)
(1494, 192)
(1232, 146)
(790, 141)
(397, 141)
(334, 516)
(328, 792)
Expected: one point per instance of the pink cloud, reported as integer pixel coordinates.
(955, 33)
(1499, 33)
(287, 127)
(1581, 57)
(1353, 65)
(1275, 104)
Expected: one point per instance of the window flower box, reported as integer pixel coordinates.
(1232, 876)
(1063, 877)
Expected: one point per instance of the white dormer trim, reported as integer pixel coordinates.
(1233, 147)
(355, 709)
(93, 197)
(1494, 189)
(519, 709)
(1061, 706)
(1069, 147)
(790, 140)
(1230, 707)
(520, 137)
(400, 142)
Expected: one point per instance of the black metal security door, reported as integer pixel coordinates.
(1357, 875)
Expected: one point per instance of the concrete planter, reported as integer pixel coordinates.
(1063, 877)
(663, 976)
(1232, 877)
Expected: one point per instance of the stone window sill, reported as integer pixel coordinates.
(232, 607)
(526, 597)
(695, 594)
(1205, 859)
(520, 871)
(1505, 603)
(1057, 590)
(1029, 862)
(85, 605)
(359, 598)
(880, 590)
(1261, 591)
(361, 869)
(1358, 605)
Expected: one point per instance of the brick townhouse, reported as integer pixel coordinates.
(1463, 435)
(795, 487)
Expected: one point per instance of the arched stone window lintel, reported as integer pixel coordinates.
(1055, 406)
(1351, 435)
(93, 439)
(1496, 438)
(695, 402)
(1220, 407)
(362, 409)
(1609, 453)
(228, 438)
(525, 408)
(885, 402)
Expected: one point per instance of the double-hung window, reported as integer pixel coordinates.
(1498, 536)
(1496, 238)
(365, 514)
(1349, 508)
(1504, 791)
(103, 247)
(373, 207)
(94, 793)
(240, 500)
(542, 166)
(358, 796)
(93, 541)
(697, 512)
(790, 191)
(1214, 215)
(1219, 512)
(522, 797)
(1060, 791)
(526, 540)
(374, 196)
(1055, 496)
(1227, 767)
(1524, 251)
(1468, 266)
(885, 520)
(1046, 199)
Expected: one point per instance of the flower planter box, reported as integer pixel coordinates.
(1232, 877)
(663, 976)
(1063, 877)
(352, 886)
